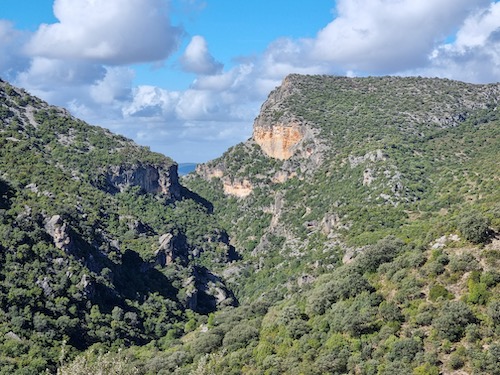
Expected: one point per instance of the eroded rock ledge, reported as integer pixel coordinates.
(237, 188)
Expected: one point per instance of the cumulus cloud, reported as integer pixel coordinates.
(114, 87)
(45, 73)
(151, 101)
(384, 36)
(474, 55)
(107, 31)
(480, 28)
(197, 59)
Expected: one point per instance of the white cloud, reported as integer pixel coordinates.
(474, 55)
(197, 59)
(150, 101)
(479, 28)
(114, 87)
(386, 36)
(59, 82)
(107, 31)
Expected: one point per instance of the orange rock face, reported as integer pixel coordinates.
(278, 141)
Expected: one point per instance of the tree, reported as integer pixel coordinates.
(474, 227)
(455, 316)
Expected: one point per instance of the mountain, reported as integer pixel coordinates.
(359, 196)
(100, 243)
(355, 232)
(337, 163)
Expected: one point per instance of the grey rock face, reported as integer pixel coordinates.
(59, 232)
(150, 178)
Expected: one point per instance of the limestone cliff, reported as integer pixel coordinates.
(275, 130)
(278, 141)
(155, 179)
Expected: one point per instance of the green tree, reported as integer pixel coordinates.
(454, 317)
(474, 227)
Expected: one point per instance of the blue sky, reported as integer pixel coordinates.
(187, 77)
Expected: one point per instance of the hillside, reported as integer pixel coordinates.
(357, 231)
(99, 242)
(357, 195)
(338, 163)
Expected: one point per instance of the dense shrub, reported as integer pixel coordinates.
(439, 291)
(474, 227)
(494, 311)
(345, 282)
(463, 263)
(453, 319)
(382, 252)
(207, 342)
(240, 336)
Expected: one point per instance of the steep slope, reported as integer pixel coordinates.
(337, 163)
(358, 229)
(99, 242)
(366, 214)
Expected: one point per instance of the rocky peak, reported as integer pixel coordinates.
(275, 130)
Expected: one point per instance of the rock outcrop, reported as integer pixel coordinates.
(275, 130)
(237, 188)
(59, 232)
(206, 292)
(155, 179)
(279, 140)
(171, 248)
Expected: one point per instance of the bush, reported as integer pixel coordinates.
(456, 361)
(463, 263)
(99, 363)
(426, 369)
(240, 336)
(439, 291)
(346, 282)
(494, 311)
(405, 350)
(478, 292)
(474, 227)
(206, 342)
(455, 316)
(383, 251)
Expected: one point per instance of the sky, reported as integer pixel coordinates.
(187, 77)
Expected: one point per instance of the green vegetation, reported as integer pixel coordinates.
(373, 250)
(81, 215)
(474, 227)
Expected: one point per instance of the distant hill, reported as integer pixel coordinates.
(354, 197)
